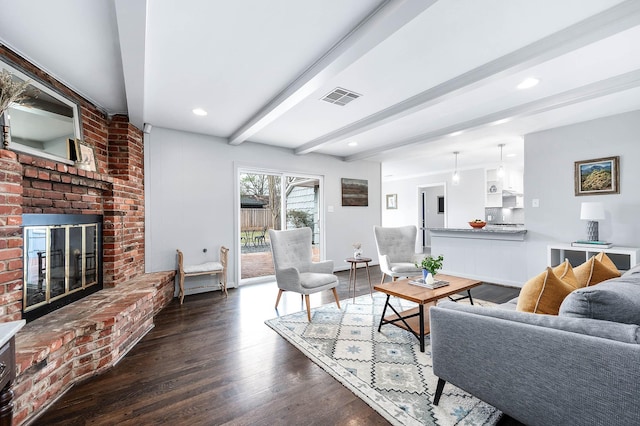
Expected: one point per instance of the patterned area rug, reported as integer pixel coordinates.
(385, 369)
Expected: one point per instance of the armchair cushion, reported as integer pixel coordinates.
(403, 267)
(312, 280)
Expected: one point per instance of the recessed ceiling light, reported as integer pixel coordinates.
(199, 111)
(528, 83)
(511, 155)
(459, 132)
(354, 143)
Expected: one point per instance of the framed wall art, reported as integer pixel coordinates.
(86, 157)
(392, 201)
(597, 176)
(355, 192)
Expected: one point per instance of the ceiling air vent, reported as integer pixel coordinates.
(340, 96)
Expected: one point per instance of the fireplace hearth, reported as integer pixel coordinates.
(62, 260)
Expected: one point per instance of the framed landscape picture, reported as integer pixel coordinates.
(597, 176)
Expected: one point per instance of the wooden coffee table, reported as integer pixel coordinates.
(414, 320)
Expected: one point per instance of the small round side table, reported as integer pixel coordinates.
(353, 270)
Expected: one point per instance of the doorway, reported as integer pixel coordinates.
(263, 196)
(432, 202)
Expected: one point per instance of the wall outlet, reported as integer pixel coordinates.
(535, 202)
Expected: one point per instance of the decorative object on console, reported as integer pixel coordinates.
(592, 212)
(598, 176)
(357, 250)
(392, 201)
(478, 224)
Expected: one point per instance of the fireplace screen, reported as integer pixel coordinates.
(60, 260)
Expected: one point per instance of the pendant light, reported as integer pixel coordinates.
(501, 168)
(456, 177)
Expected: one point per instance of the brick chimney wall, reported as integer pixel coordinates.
(30, 184)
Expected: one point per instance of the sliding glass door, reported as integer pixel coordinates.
(263, 198)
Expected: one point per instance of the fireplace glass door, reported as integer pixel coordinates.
(59, 260)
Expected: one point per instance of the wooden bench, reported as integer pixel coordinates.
(207, 268)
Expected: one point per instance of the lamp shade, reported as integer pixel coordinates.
(592, 211)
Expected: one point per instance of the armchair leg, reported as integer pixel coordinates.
(335, 294)
(306, 299)
(382, 279)
(278, 298)
(439, 389)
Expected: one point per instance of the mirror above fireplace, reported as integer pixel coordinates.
(43, 122)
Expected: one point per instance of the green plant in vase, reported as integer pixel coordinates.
(430, 266)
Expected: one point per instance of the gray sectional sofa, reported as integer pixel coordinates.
(581, 367)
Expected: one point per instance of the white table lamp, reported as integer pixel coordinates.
(592, 212)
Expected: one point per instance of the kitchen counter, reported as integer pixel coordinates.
(494, 254)
(489, 232)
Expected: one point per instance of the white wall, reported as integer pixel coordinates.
(191, 198)
(549, 177)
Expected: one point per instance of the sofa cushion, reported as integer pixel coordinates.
(615, 300)
(633, 271)
(544, 293)
(595, 270)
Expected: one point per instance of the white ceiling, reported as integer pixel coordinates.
(425, 69)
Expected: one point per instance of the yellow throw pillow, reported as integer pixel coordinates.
(594, 271)
(543, 294)
(606, 261)
(564, 271)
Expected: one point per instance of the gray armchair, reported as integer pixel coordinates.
(396, 251)
(295, 271)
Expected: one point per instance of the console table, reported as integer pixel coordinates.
(623, 257)
(8, 331)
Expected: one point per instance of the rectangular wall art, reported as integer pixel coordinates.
(355, 192)
(598, 176)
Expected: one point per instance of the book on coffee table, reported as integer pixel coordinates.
(436, 284)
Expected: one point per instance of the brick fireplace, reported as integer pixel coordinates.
(90, 335)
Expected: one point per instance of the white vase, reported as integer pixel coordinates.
(357, 253)
(429, 279)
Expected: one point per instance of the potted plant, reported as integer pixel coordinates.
(430, 266)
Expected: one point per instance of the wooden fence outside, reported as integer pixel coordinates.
(255, 218)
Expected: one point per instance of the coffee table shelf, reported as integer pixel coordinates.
(414, 320)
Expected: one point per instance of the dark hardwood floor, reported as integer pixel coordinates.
(212, 361)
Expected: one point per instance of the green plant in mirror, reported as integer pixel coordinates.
(431, 264)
